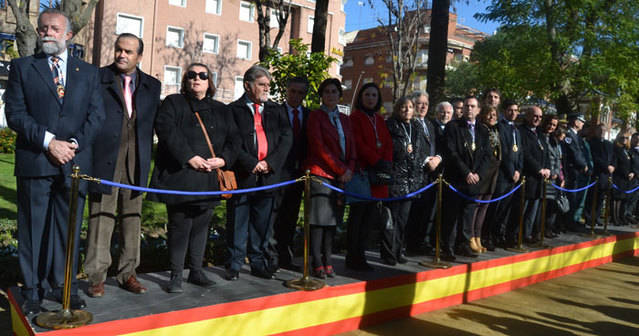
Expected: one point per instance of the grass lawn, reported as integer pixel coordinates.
(8, 197)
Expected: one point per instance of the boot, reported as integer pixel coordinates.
(481, 247)
(175, 284)
(474, 246)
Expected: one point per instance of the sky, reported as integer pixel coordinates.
(359, 14)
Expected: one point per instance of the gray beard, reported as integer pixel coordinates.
(53, 48)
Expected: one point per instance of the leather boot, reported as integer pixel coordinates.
(474, 246)
(478, 240)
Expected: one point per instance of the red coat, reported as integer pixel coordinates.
(323, 146)
(367, 152)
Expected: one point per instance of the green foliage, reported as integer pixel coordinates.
(7, 141)
(314, 67)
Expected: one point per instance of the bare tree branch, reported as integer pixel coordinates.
(26, 35)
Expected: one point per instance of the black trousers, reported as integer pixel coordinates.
(43, 216)
(457, 220)
(360, 218)
(393, 240)
(419, 230)
(498, 213)
(188, 229)
(286, 213)
(322, 245)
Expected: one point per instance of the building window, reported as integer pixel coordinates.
(214, 79)
(172, 78)
(389, 59)
(174, 37)
(422, 57)
(367, 80)
(244, 49)
(247, 12)
(342, 4)
(214, 7)
(309, 24)
(348, 83)
(348, 62)
(239, 87)
(274, 23)
(181, 3)
(126, 23)
(340, 38)
(211, 43)
(369, 60)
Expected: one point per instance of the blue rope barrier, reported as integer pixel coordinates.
(574, 190)
(625, 191)
(196, 193)
(468, 198)
(370, 198)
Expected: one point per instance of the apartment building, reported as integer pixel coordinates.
(367, 57)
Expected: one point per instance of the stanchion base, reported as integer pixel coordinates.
(540, 245)
(305, 283)
(518, 249)
(64, 319)
(436, 263)
(593, 235)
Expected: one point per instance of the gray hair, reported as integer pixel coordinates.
(256, 72)
(440, 106)
(418, 94)
(55, 11)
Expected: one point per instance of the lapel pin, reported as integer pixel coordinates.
(77, 69)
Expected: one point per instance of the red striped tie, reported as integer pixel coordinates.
(262, 144)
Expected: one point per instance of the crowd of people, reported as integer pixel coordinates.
(67, 112)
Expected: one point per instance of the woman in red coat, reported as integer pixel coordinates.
(331, 158)
(374, 154)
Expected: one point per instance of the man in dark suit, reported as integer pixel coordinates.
(536, 170)
(55, 107)
(466, 160)
(510, 169)
(419, 239)
(266, 139)
(576, 167)
(288, 199)
(123, 149)
(602, 157)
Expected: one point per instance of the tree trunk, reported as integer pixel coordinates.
(319, 26)
(26, 36)
(437, 51)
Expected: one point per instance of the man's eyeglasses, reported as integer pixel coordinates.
(537, 116)
(192, 74)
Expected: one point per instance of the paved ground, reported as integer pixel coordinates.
(602, 301)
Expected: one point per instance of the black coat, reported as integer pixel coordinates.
(535, 159)
(511, 160)
(147, 101)
(279, 136)
(297, 154)
(574, 151)
(407, 169)
(460, 159)
(181, 138)
(602, 157)
(623, 167)
(430, 148)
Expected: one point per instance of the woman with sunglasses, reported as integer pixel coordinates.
(185, 162)
(622, 176)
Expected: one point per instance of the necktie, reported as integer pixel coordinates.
(296, 124)
(262, 144)
(57, 80)
(340, 131)
(128, 96)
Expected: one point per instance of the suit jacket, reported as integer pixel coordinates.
(573, 147)
(535, 159)
(324, 151)
(368, 154)
(602, 157)
(146, 102)
(33, 107)
(181, 138)
(623, 167)
(297, 154)
(459, 157)
(429, 147)
(511, 161)
(279, 137)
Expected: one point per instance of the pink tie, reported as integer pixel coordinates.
(128, 97)
(262, 143)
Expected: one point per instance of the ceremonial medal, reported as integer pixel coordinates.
(515, 148)
(473, 147)
(378, 144)
(60, 91)
(409, 148)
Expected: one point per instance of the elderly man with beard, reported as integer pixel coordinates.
(55, 106)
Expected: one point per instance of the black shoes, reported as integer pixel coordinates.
(76, 302)
(197, 277)
(231, 275)
(175, 284)
(262, 273)
(30, 307)
(448, 256)
(389, 261)
(466, 251)
(362, 266)
(401, 259)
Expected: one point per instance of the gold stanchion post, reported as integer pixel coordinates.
(608, 205)
(306, 282)
(437, 263)
(593, 212)
(520, 237)
(67, 318)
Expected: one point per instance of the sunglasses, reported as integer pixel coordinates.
(192, 74)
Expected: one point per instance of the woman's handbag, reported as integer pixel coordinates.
(359, 185)
(225, 178)
(562, 202)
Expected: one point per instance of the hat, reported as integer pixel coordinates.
(577, 116)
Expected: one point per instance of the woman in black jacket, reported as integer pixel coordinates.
(407, 175)
(622, 177)
(185, 162)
